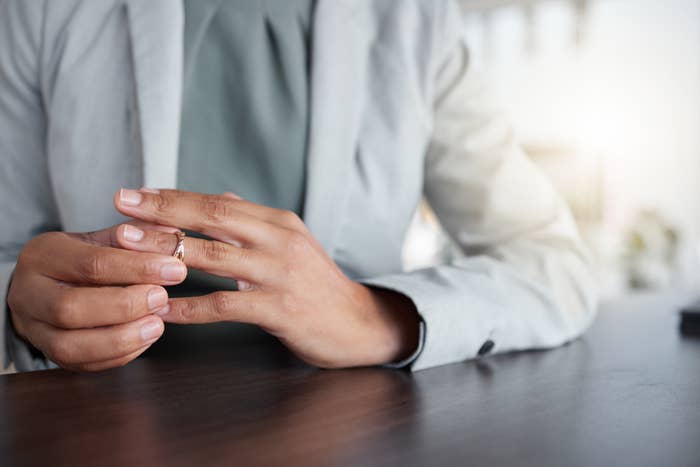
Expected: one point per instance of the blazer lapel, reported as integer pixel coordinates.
(156, 29)
(337, 80)
(337, 84)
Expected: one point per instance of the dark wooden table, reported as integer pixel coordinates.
(626, 394)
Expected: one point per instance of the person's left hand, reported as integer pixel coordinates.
(288, 285)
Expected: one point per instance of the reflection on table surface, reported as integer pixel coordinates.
(223, 394)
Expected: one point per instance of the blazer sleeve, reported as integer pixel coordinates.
(26, 202)
(525, 280)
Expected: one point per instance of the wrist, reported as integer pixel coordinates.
(400, 323)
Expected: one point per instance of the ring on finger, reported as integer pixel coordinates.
(179, 252)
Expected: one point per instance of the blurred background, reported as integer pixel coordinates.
(605, 97)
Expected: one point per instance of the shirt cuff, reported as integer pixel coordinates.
(406, 362)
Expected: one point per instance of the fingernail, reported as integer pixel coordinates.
(151, 330)
(150, 190)
(232, 195)
(163, 311)
(157, 298)
(130, 197)
(133, 234)
(173, 271)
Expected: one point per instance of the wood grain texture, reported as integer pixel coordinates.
(626, 394)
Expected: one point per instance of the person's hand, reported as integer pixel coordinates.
(87, 305)
(288, 285)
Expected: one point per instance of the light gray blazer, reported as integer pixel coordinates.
(90, 102)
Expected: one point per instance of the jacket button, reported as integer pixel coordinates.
(486, 348)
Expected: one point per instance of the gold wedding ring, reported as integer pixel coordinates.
(179, 252)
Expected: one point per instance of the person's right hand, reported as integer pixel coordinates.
(87, 305)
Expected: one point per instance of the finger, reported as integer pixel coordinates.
(69, 259)
(71, 347)
(69, 307)
(244, 307)
(212, 256)
(211, 215)
(107, 237)
(285, 219)
(107, 364)
(280, 217)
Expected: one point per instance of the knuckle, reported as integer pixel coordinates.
(65, 310)
(216, 210)
(290, 219)
(188, 310)
(222, 304)
(32, 249)
(215, 251)
(162, 203)
(92, 267)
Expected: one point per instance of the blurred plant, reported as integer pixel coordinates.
(651, 248)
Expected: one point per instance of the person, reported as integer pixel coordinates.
(291, 142)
